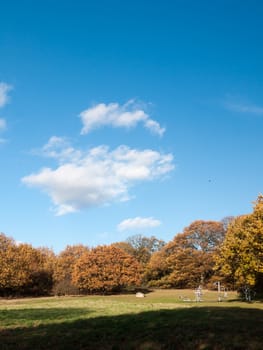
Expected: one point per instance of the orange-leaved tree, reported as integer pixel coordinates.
(23, 269)
(63, 268)
(106, 269)
(188, 260)
(240, 259)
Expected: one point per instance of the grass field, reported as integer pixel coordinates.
(161, 320)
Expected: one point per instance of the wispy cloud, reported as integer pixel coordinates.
(138, 223)
(4, 89)
(60, 149)
(118, 116)
(2, 124)
(95, 177)
(241, 107)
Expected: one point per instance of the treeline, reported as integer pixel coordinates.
(229, 251)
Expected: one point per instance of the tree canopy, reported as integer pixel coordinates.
(241, 256)
(141, 247)
(188, 260)
(106, 269)
(24, 269)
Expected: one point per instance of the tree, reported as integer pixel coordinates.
(226, 221)
(157, 271)
(125, 246)
(141, 247)
(37, 278)
(240, 259)
(204, 236)
(10, 276)
(63, 268)
(188, 260)
(23, 270)
(106, 269)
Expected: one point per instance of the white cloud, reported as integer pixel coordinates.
(243, 108)
(115, 115)
(59, 148)
(95, 177)
(4, 89)
(2, 124)
(138, 223)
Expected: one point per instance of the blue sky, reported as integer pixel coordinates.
(121, 118)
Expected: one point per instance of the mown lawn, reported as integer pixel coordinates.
(161, 320)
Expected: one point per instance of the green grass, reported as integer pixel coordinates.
(161, 320)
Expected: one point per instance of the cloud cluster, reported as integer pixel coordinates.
(96, 177)
(138, 223)
(118, 116)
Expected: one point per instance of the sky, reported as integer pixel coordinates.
(127, 117)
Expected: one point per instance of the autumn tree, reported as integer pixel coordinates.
(106, 269)
(48, 259)
(157, 271)
(36, 268)
(188, 260)
(8, 265)
(23, 270)
(141, 247)
(240, 259)
(63, 268)
(127, 247)
(226, 221)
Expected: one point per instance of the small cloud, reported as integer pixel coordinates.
(4, 89)
(59, 148)
(64, 209)
(241, 107)
(118, 116)
(138, 223)
(154, 127)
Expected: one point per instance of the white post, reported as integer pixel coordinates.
(219, 291)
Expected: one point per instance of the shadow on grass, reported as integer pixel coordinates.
(184, 328)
